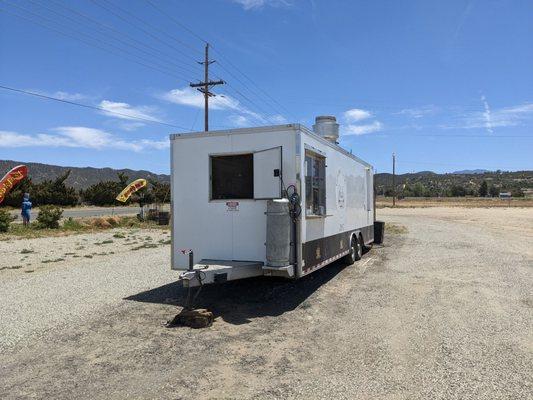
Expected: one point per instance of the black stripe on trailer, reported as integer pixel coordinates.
(320, 252)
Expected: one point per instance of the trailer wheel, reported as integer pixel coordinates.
(359, 249)
(356, 250)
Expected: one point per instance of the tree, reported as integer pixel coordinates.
(483, 189)
(142, 196)
(419, 190)
(493, 191)
(104, 193)
(458, 191)
(160, 192)
(54, 192)
(123, 179)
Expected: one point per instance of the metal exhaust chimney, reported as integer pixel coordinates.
(327, 127)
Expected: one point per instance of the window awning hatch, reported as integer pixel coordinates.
(267, 173)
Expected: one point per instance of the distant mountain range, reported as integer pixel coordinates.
(472, 171)
(438, 184)
(80, 178)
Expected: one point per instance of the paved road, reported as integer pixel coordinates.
(442, 311)
(90, 212)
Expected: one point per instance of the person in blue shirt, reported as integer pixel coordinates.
(26, 209)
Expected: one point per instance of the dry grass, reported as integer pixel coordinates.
(72, 226)
(394, 228)
(477, 202)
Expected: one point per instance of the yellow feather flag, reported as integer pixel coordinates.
(130, 189)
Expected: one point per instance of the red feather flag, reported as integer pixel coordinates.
(10, 179)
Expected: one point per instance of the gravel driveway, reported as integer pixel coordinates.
(443, 311)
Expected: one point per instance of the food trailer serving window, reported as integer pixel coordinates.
(232, 177)
(315, 184)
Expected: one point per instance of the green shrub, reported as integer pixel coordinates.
(5, 220)
(71, 224)
(49, 217)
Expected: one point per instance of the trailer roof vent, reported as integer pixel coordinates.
(327, 127)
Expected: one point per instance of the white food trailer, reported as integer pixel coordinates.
(278, 200)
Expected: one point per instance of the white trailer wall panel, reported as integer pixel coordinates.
(208, 226)
(349, 204)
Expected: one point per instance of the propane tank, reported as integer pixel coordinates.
(278, 238)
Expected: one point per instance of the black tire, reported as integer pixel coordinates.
(356, 250)
(360, 246)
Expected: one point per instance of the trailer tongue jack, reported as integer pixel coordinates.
(189, 316)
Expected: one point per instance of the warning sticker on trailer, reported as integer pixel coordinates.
(232, 206)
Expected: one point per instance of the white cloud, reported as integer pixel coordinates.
(155, 144)
(130, 126)
(69, 96)
(354, 126)
(523, 109)
(242, 121)
(356, 114)
(277, 119)
(78, 137)
(126, 111)
(239, 121)
(257, 4)
(193, 98)
(499, 118)
(487, 115)
(375, 126)
(241, 116)
(419, 112)
(63, 95)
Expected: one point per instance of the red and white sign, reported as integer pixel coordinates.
(11, 179)
(232, 206)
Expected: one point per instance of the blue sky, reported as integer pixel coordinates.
(447, 85)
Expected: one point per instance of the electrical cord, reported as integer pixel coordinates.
(295, 209)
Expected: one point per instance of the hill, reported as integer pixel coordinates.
(428, 183)
(80, 178)
(424, 183)
(472, 171)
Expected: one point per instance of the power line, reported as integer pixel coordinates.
(183, 26)
(88, 42)
(128, 116)
(176, 21)
(98, 46)
(232, 89)
(154, 51)
(246, 86)
(166, 34)
(251, 80)
(155, 37)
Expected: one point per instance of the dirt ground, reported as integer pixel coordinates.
(443, 310)
(476, 202)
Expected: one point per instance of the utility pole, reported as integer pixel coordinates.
(393, 179)
(204, 86)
